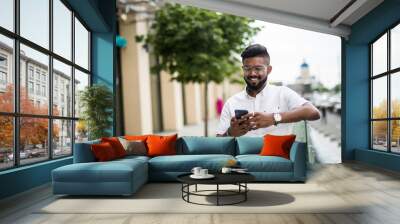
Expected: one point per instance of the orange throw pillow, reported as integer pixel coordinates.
(161, 145)
(116, 145)
(103, 152)
(277, 145)
(136, 137)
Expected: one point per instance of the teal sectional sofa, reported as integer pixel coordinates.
(125, 176)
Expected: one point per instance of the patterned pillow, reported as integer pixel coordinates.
(134, 147)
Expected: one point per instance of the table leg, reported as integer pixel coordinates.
(245, 191)
(217, 194)
(182, 189)
(196, 188)
(188, 190)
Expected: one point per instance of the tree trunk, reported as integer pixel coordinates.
(206, 109)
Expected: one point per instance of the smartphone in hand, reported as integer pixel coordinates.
(240, 113)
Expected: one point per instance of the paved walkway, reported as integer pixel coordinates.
(330, 127)
(326, 138)
(326, 150)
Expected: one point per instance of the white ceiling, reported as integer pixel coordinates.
(315, 15)
(321, 9)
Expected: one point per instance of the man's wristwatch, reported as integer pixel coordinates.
(277, 118)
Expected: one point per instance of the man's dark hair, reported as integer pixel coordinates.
(255, 50)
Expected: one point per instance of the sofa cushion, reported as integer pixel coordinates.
(249, 145)
(103, 152)
(136, 137)
(133, 158)
(112, 171)
(134, 147)
(83, 152)
(116, 145)
(277, 145)
(194, 145)
(161, 145)
(185, 163)
(257, 163)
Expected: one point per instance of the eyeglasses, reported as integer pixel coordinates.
(258, 69)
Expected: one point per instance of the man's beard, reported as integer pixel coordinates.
(255, 88)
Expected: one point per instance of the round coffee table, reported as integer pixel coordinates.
(238, 179)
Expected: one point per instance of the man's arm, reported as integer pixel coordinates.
(226, 134)
(305, 112)
(229, 125)
(224, 121)
(298, 108)
(238, 127)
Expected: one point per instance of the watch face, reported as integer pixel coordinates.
(277, 117)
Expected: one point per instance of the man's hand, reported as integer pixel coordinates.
(239, 127)
(259, 120)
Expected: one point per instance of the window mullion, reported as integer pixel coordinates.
(89, 53)
(389, 106)
(16, 84)
(50, 81)
(371, 98)
(73, 82)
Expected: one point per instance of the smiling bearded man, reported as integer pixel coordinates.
(270, 108)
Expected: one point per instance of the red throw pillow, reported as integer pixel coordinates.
(116, 145)
(161, 145)
(103, 152)
(277, 145)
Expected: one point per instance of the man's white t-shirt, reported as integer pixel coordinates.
(272, 99)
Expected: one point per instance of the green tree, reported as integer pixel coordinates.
(33, 131)
(196, 45)
(380, 127)
(380, 111)
(395, 123)
(337, 88)
(320, 88)
(97, 103)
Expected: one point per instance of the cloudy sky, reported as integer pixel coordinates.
(289, 46)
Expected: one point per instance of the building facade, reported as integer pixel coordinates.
(157, 103)
(34, 89)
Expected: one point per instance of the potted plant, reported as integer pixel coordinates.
(96, 102)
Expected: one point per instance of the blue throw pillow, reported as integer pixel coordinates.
(249, 145)
(194, 145)
(83, 153)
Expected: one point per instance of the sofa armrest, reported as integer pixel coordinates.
(83, 152)
(298, 157)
